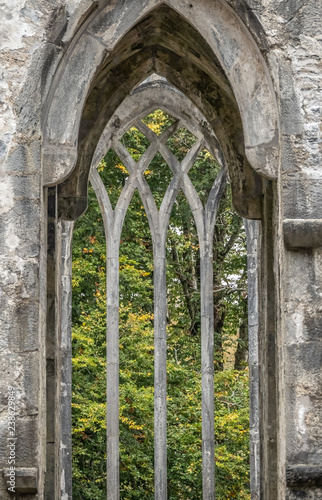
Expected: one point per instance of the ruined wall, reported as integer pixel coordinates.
(34, 36)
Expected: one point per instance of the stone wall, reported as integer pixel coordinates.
(254, 69)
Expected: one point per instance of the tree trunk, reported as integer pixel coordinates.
(219, 318)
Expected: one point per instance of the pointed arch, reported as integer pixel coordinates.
(117, 46)
(212, 59)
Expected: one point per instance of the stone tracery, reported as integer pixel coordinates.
(158, 219)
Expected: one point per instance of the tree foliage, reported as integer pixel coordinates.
(136, 336)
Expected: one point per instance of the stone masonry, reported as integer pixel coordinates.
(253, 68)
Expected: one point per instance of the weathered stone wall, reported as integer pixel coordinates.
(47, 77)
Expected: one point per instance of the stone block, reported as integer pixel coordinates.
(302, 233)
(27, 186)
(304, 475)
(25, 480)
(27, 431)
(306, 357)
(21, 373)
(291, 113)
(302, 198)
(30, 383)
(300, 279)
(304, 494)
(19, 325)
(26, 442)
(24, 159)
(313, 326)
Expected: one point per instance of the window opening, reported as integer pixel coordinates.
(203, 174)
(164, 183)
(114, 174)
(180, 143)
(158, 176)
(135, 142)
(158, 121)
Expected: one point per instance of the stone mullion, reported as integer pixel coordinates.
(207, 335)
(160, 346)
(253, 236)
(113, 223)
(112, 366)
(112, 338)
(160, 374)
(205, 221)
(66, 361)
(158, 221)
(207, 370)
(160, 340)
(207, 341)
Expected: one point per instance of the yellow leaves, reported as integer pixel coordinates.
(191, 468)
(121, 167)
(101, 165)
(156, 121)
(127, 267)
(130, 423)
(137, 319)
(155, 127)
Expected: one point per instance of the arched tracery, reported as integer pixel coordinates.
(205, 217)
(142, 101)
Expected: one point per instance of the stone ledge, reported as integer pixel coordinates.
(304, 476)
(302, 233)
(26, 480)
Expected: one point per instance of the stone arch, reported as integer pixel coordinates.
(144, 99)
(222, 72)
(117, 47)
